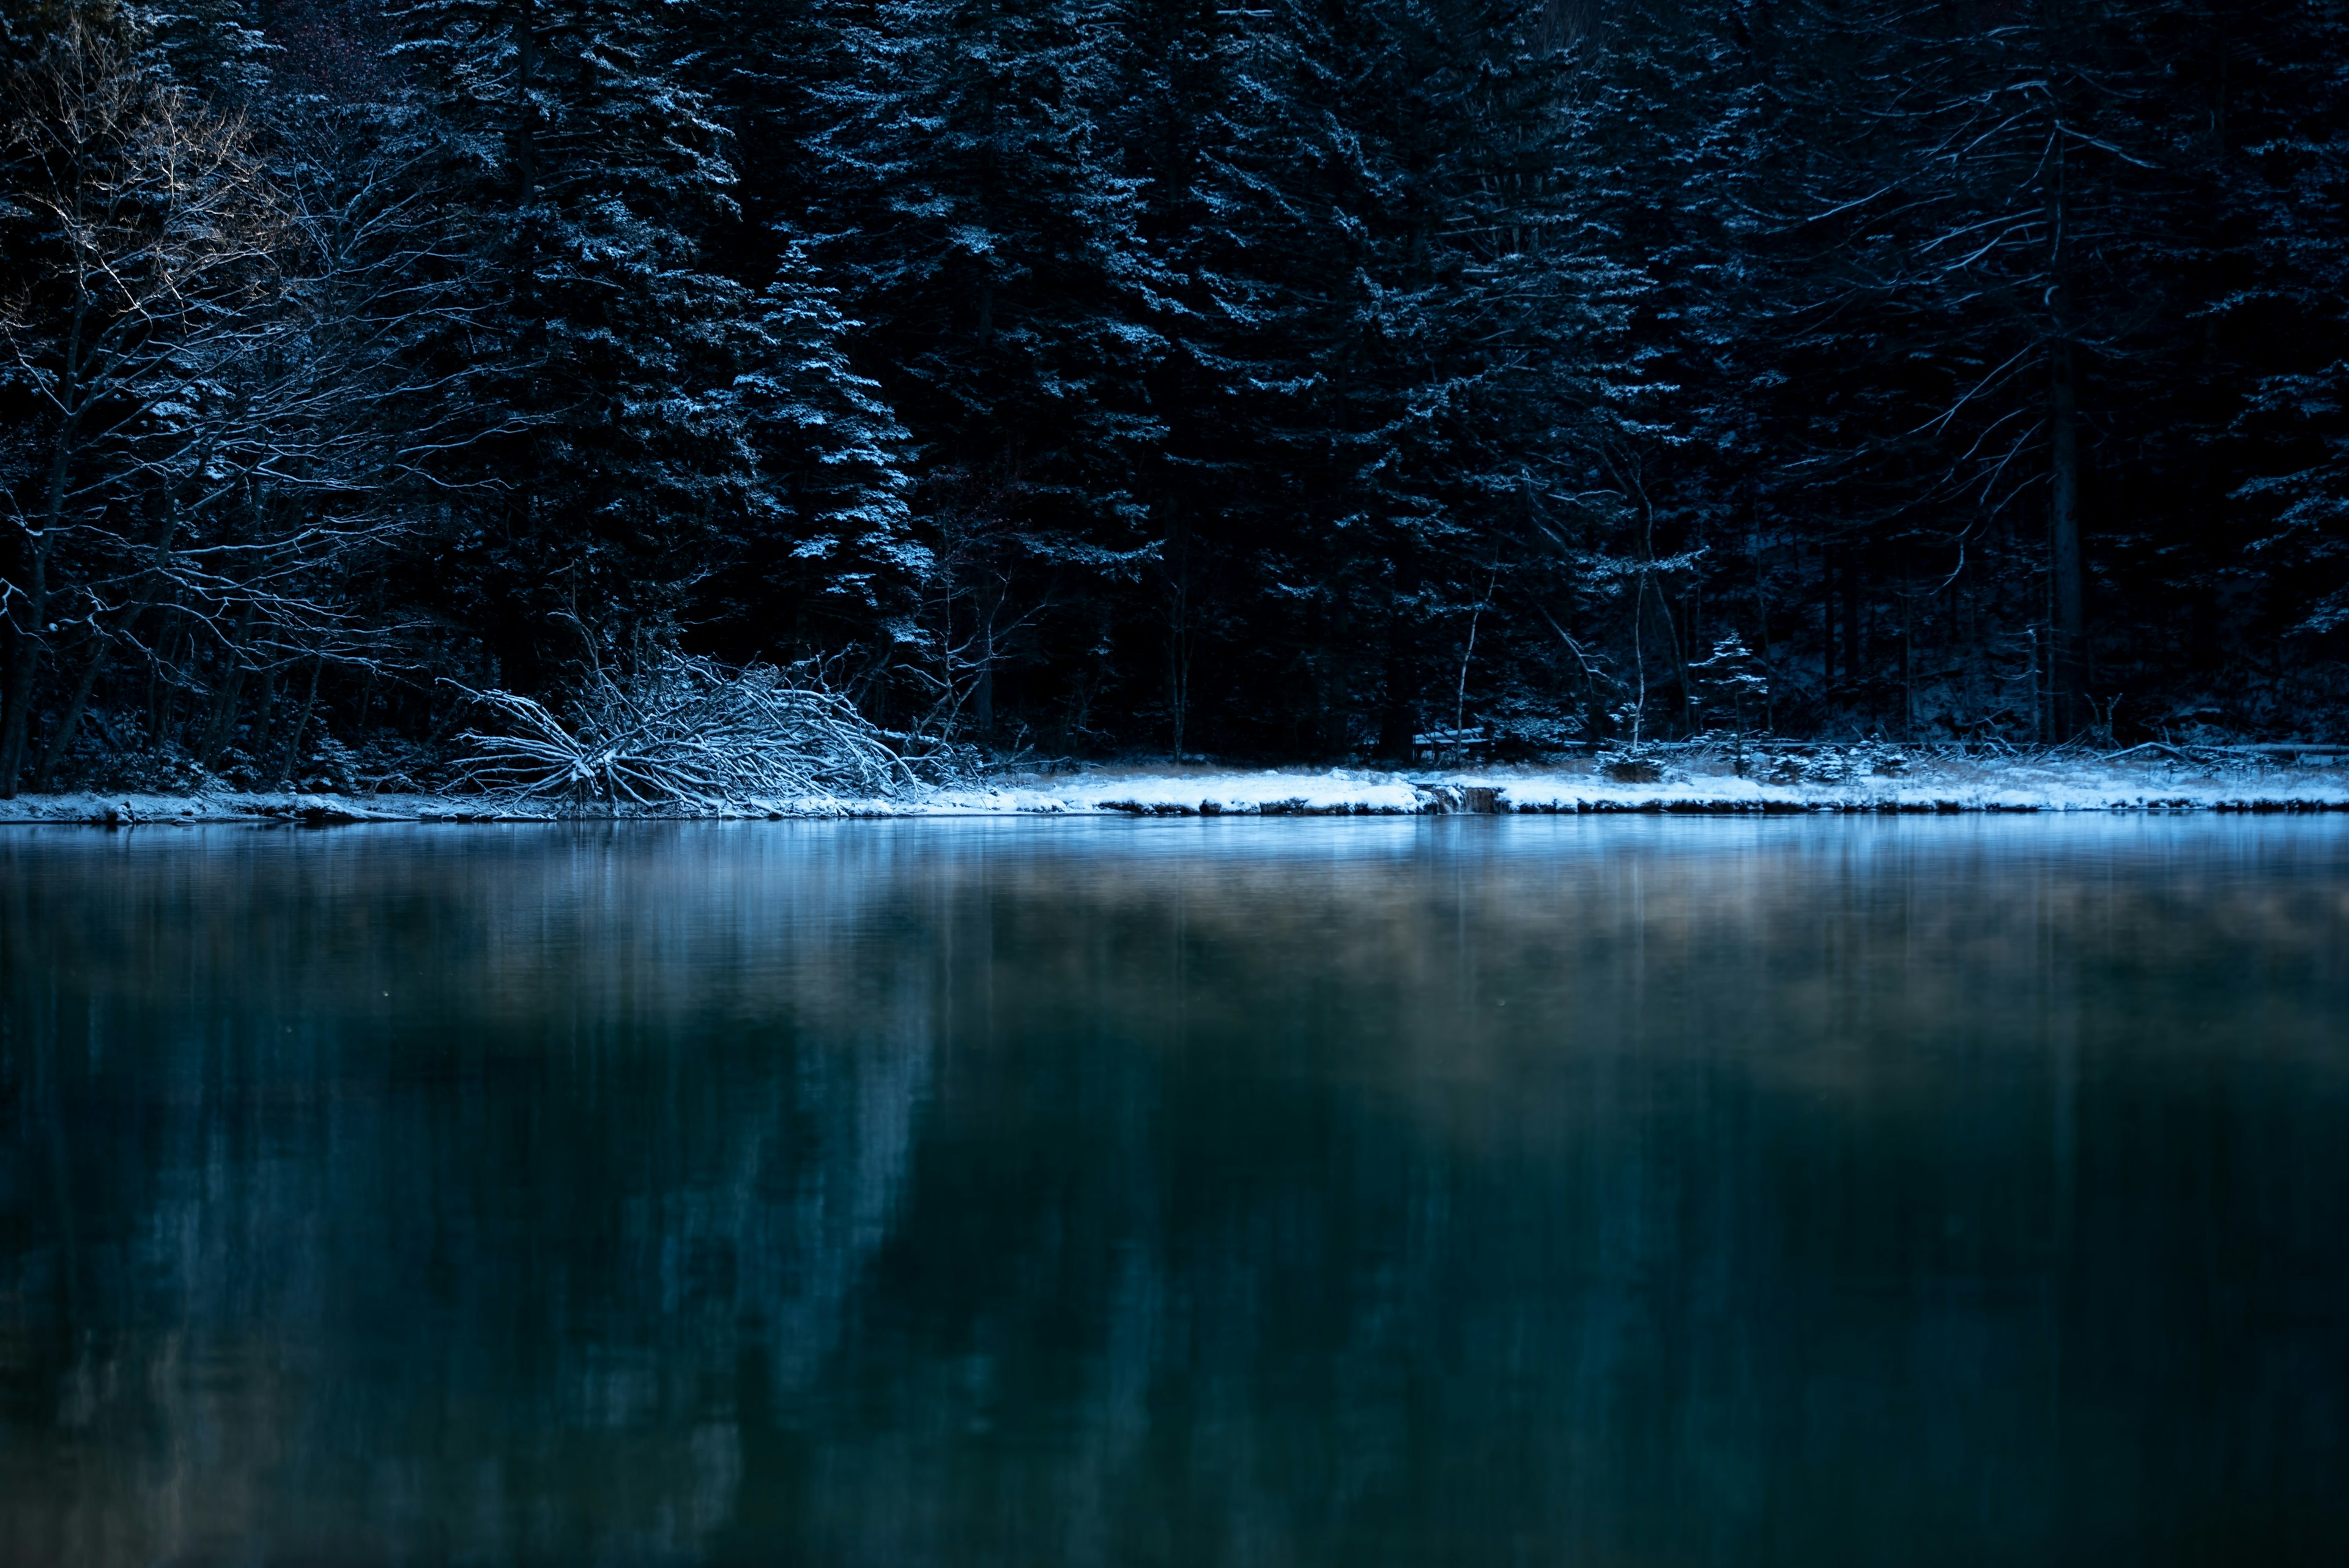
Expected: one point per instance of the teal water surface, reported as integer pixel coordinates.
(1613, 1191)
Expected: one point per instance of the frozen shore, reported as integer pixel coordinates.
(1777, 781)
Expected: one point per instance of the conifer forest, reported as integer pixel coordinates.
(1275, 382)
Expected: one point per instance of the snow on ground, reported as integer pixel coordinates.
(1814, 780)
(1339, 792)
(117, 810)
(2070, 784)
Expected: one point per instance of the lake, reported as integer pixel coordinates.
(1456, 1190)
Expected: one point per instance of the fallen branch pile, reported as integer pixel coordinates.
(686, 733)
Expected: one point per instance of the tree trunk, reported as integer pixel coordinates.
(1399, 717)
(15, 725)
(264, 713)
(1334, 685)
(1762, 617)
(1855, 651)
(1828, 617)
(525, 38)
(1178, 638)
(19, 715)
(286, 772)
(2066, 678)
(982, 697)
(17, 728)
(101, 643)
(1399, 707)
(223, 722)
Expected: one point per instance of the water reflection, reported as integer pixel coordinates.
(1201, 1193)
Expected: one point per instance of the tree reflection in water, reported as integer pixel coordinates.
(1200, 1192)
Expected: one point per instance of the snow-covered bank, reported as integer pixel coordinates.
(1811, 780)
(1706, 786)
(124, 810)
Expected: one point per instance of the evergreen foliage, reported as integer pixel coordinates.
(1284, 380)
(608, 470)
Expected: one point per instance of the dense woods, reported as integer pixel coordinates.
(1086, 377)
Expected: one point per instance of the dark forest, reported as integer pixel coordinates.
(1098, 377)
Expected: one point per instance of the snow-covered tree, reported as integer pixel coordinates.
(836, 547)
(2291, 188)
(835, 560)
(608, 470)
(979, 223)
(1391, 330)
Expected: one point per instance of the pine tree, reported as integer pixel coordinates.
(1178, 71)
(1403, 329)
(214, 48)
(2289, 181)
(1679, 520)
(976, 222)
(608, 470)
(837, 562)
(840, 554)
(1970, 237)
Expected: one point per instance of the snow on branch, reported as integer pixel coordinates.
(686, 733)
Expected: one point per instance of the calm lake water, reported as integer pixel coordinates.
(1618, 1191)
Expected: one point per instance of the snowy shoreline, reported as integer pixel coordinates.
(1818, 781)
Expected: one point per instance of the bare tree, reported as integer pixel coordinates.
(215, 347)
(156, 234)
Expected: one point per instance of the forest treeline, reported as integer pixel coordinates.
(1275, 382)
